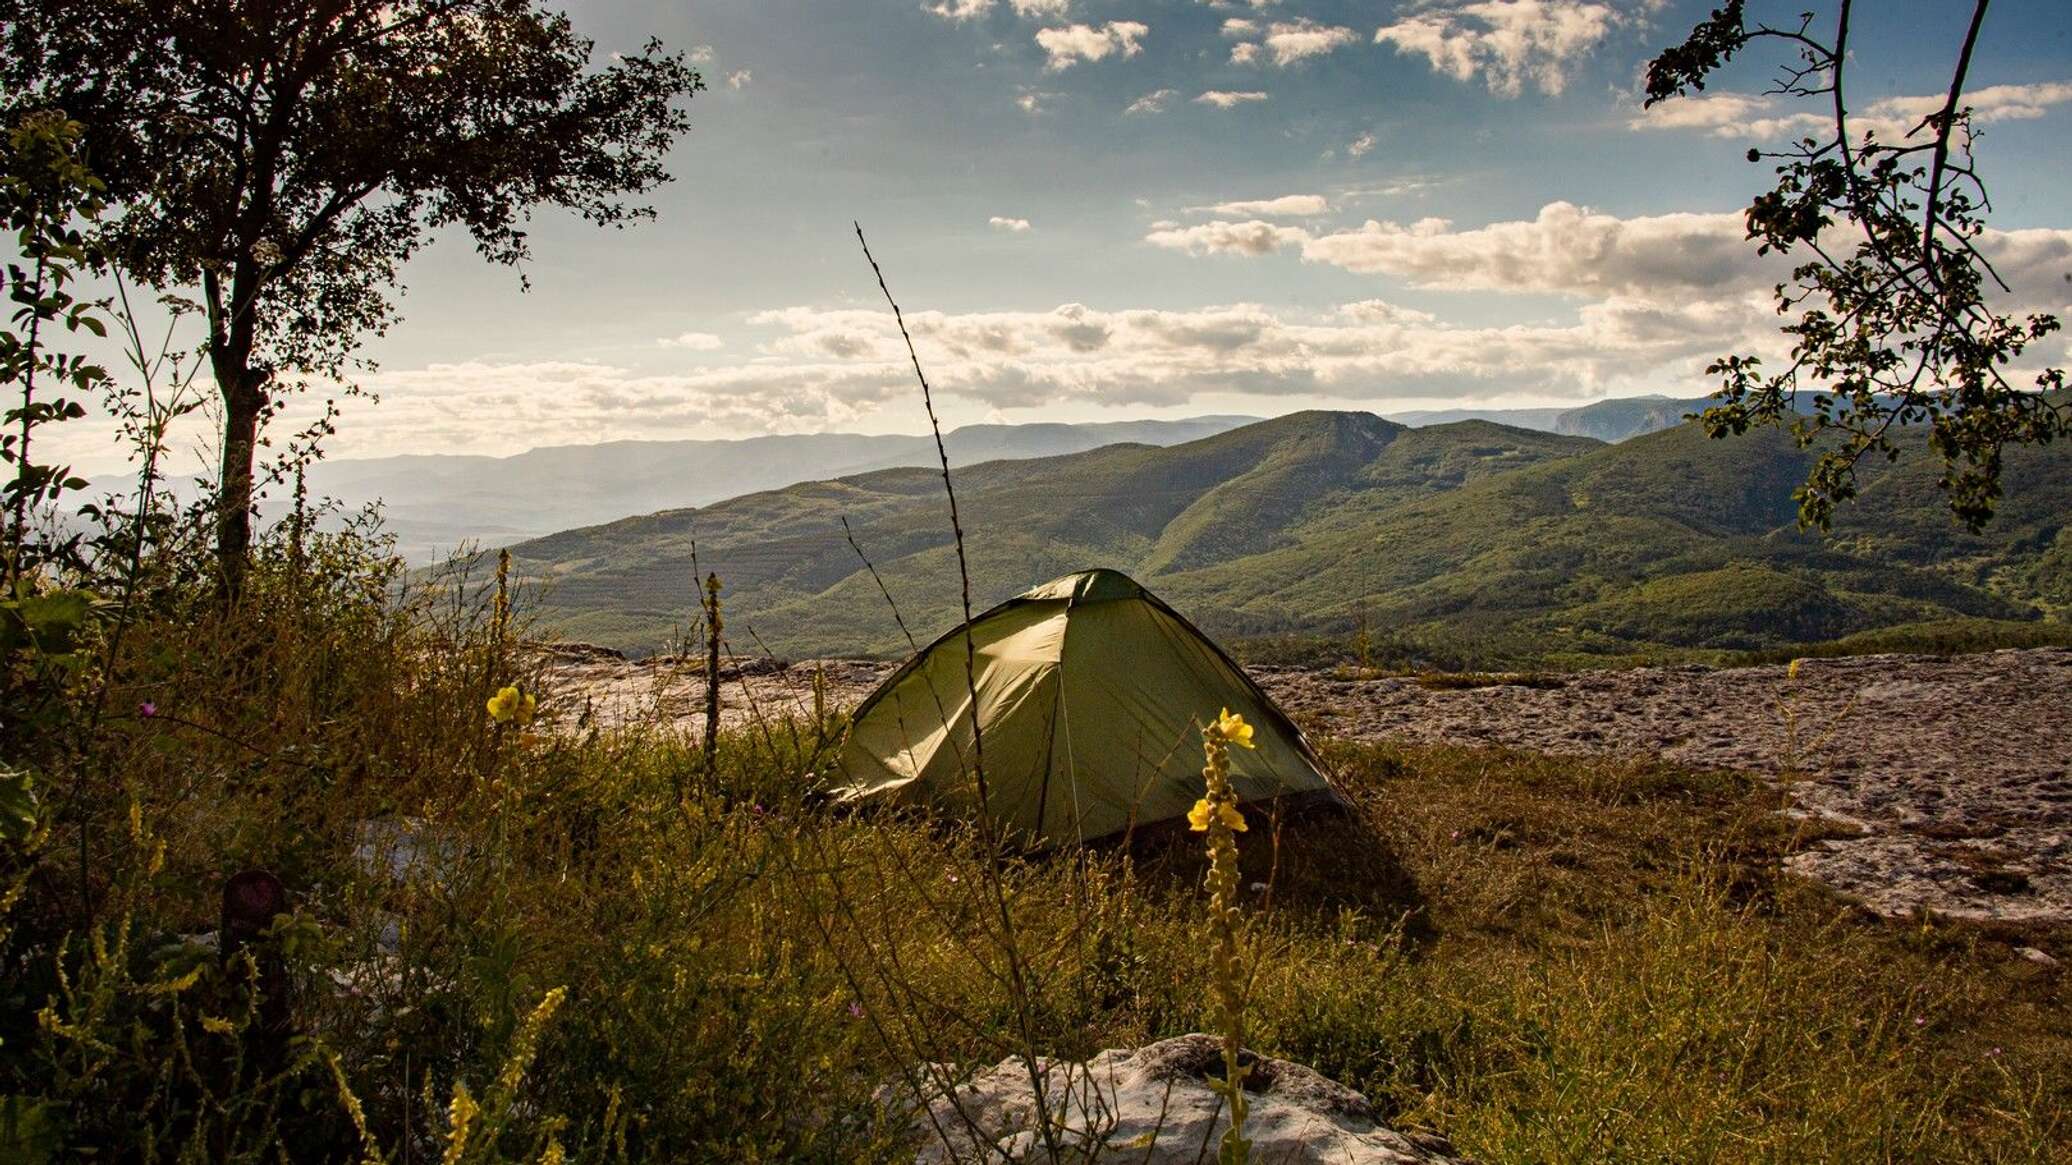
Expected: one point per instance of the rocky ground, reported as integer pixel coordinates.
(1155, 1105)
(1943, 783)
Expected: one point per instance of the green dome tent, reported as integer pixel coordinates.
(1091, 697)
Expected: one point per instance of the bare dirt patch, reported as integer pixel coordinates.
(1930, 782)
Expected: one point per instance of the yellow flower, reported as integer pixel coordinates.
(1198, 817)
(513, 705)
(1792, 672)
(1233, 729)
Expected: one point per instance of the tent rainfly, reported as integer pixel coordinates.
(1091, 697)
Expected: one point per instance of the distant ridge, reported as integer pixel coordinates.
(1470, 543)
(1613, 419)
(434, 503)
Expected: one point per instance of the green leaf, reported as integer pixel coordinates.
(17, 812)
(28, 1130)
(47, 623)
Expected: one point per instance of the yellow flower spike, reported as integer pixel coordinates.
(513, 705)
(1231, 817)
(1198, 817)
(1233, 729)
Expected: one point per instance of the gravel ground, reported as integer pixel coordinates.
(1943, 783)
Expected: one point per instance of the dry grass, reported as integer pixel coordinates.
(1548, 959)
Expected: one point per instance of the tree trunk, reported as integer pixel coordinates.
(243, 401)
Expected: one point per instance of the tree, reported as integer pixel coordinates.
(287, 157)
(47, 201)
(1894, 323)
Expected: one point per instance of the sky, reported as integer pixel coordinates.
(1110, 209)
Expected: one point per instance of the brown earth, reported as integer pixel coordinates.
(1937, 782)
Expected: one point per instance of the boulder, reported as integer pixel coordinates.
(1157, 1105)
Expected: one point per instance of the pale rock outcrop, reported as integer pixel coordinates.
(1156, 1105)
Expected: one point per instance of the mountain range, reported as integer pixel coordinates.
(435, 504)
(1467, 541)
(1614, 419)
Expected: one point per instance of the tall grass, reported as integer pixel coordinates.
(1547, 959)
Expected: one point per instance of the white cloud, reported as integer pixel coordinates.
(1031, 101)
(1360, 146)
(1565, 249)
(1226, 99)
(694, 341)
(1238, 26)
(1369, 349)
(1571, 250)
(701, 54)
(963, 10)
(1251, 237)
(1152, 102)
(834, 368)
(1660, 304)
(739, 79)
(1302, 38)
(1073, 43)
(1244, 53)
(1012, 225)
(1510, 43)
(1765, 116)
(959, 10)
(1286, 206)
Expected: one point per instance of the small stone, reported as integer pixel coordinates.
(2040, 958)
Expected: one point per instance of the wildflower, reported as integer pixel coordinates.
(147, 709)
(1233, 729)
(1198, 817)
(513, 705)
(1792, 672)
(1217, 815)
(855, 1010)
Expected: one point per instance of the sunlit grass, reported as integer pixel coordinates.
(1547, 959)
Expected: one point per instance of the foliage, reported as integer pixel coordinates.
(48, 200)
(288, 159)
(1895, 322)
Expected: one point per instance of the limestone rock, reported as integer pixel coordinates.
(1155, 1105)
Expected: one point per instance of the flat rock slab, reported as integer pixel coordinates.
(1156, 1105)
(597, 687)
(1953, 774)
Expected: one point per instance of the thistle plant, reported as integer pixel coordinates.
(1218, 816)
